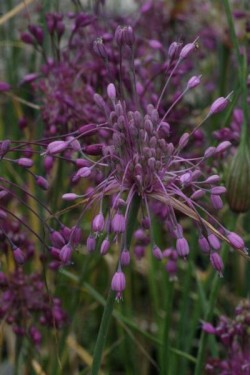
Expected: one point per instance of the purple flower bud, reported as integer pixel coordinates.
(82, 163)
(48, 163)
(171, 268)
(100, 49)
(94, 150)
(187, 49)
(197, 194)
(212, 179)
(4, 86)
(83, 172)
(173, 50)
(118, 223)
(118, 284)
(91, 243)
(24, 162)
(235, 240)
(56, 147)
(28, 78)
(37, 31)
(182, 247)
(157, 253)
(186, 178)
(57, 239)
(125, 258)
(27, 38)
(208, 328)
(35, 335)
(18, 255)
(70, 196)
(217, 263)
(3, 214)
(155, 44)
(42, 182)
(219, 104)
(139, 251)
(98, 223)
(210, 151)
(223, 146)
(75, 235)
(65, 253)
(74, 143)
(105, 246)
(4, 147)
(214, 242)
(204, 244)
(218, 190)
(193, 82)
(111, 91)
(216, 201)
(184, 140)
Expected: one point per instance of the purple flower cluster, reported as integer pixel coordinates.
(26, 305)
(234, 336)
(139, 157)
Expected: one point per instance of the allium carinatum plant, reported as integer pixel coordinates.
(112, 183)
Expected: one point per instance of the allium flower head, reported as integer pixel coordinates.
(140, 158)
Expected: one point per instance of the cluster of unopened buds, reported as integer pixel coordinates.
(139, 160)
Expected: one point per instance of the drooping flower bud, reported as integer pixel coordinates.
(24, 162)
(105, 246)
(118, 223)
(217, 263)
(118, 284)
(125, 258)
(182, 247)
(42, 182)
(65, 253)
(98, 223)
(157, 253)
(235, 240)
(219, 104)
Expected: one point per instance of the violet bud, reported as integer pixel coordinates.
(75, 235)
(56, 147)
(100, 49)
(65, 253)
(18, 255)
(28, 78)
(204, 244)
(217, 263)
(91, 243)
(24, 162)
(42, 182)
(118, 223)
(182, 247)
(212, 179)
(125, 258)
(184, 140)
(111, 91)
(193, 82)
(218, 190)
(235, 240)
(4, 147)
(98, 223)
(187, 49)
(186, 178)
(4, 86)
(139, 251)
(118, 284)
(214, 242)
(105, 246)
(48, 163)
(219, 104)
(27, 38)
(35, 335)
(70, 196)
(210, 151)
(83, 172)
(197, 194)
(155, 44)
(208, 328)
(94, 150)
(57, 239)
(216, 201)
(223, 146)
(157, 253)
(173, 50)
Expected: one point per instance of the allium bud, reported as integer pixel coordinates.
(118, 223)
(118, 284)
(83, 172)
(70, 196)
(219, 104)
(18, 255)
(223, 146)
(214, 242)
(4, 86)
(91, 243)
(204, 244)
(238, 181)
(111, 91)
(171, 268)
(193, 82)
(57, 239)
(187, 49)
(27, 38)
(24, 162)
(4, 147)
(182, 247)
(157, 253)
(95, 149)
(65, 253)
(208, 328)
(173, 50)
(197, 194)
(184, 140)
(216, 201)
(217, 262)
(35, 335)
(235, 240)
(210, 151)
(212, 179)
(218, 190)
(42, 182)
(125, 258)
(105, 246)
(155, 44)
(98, 223)
(100, 49)
(56, 147)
